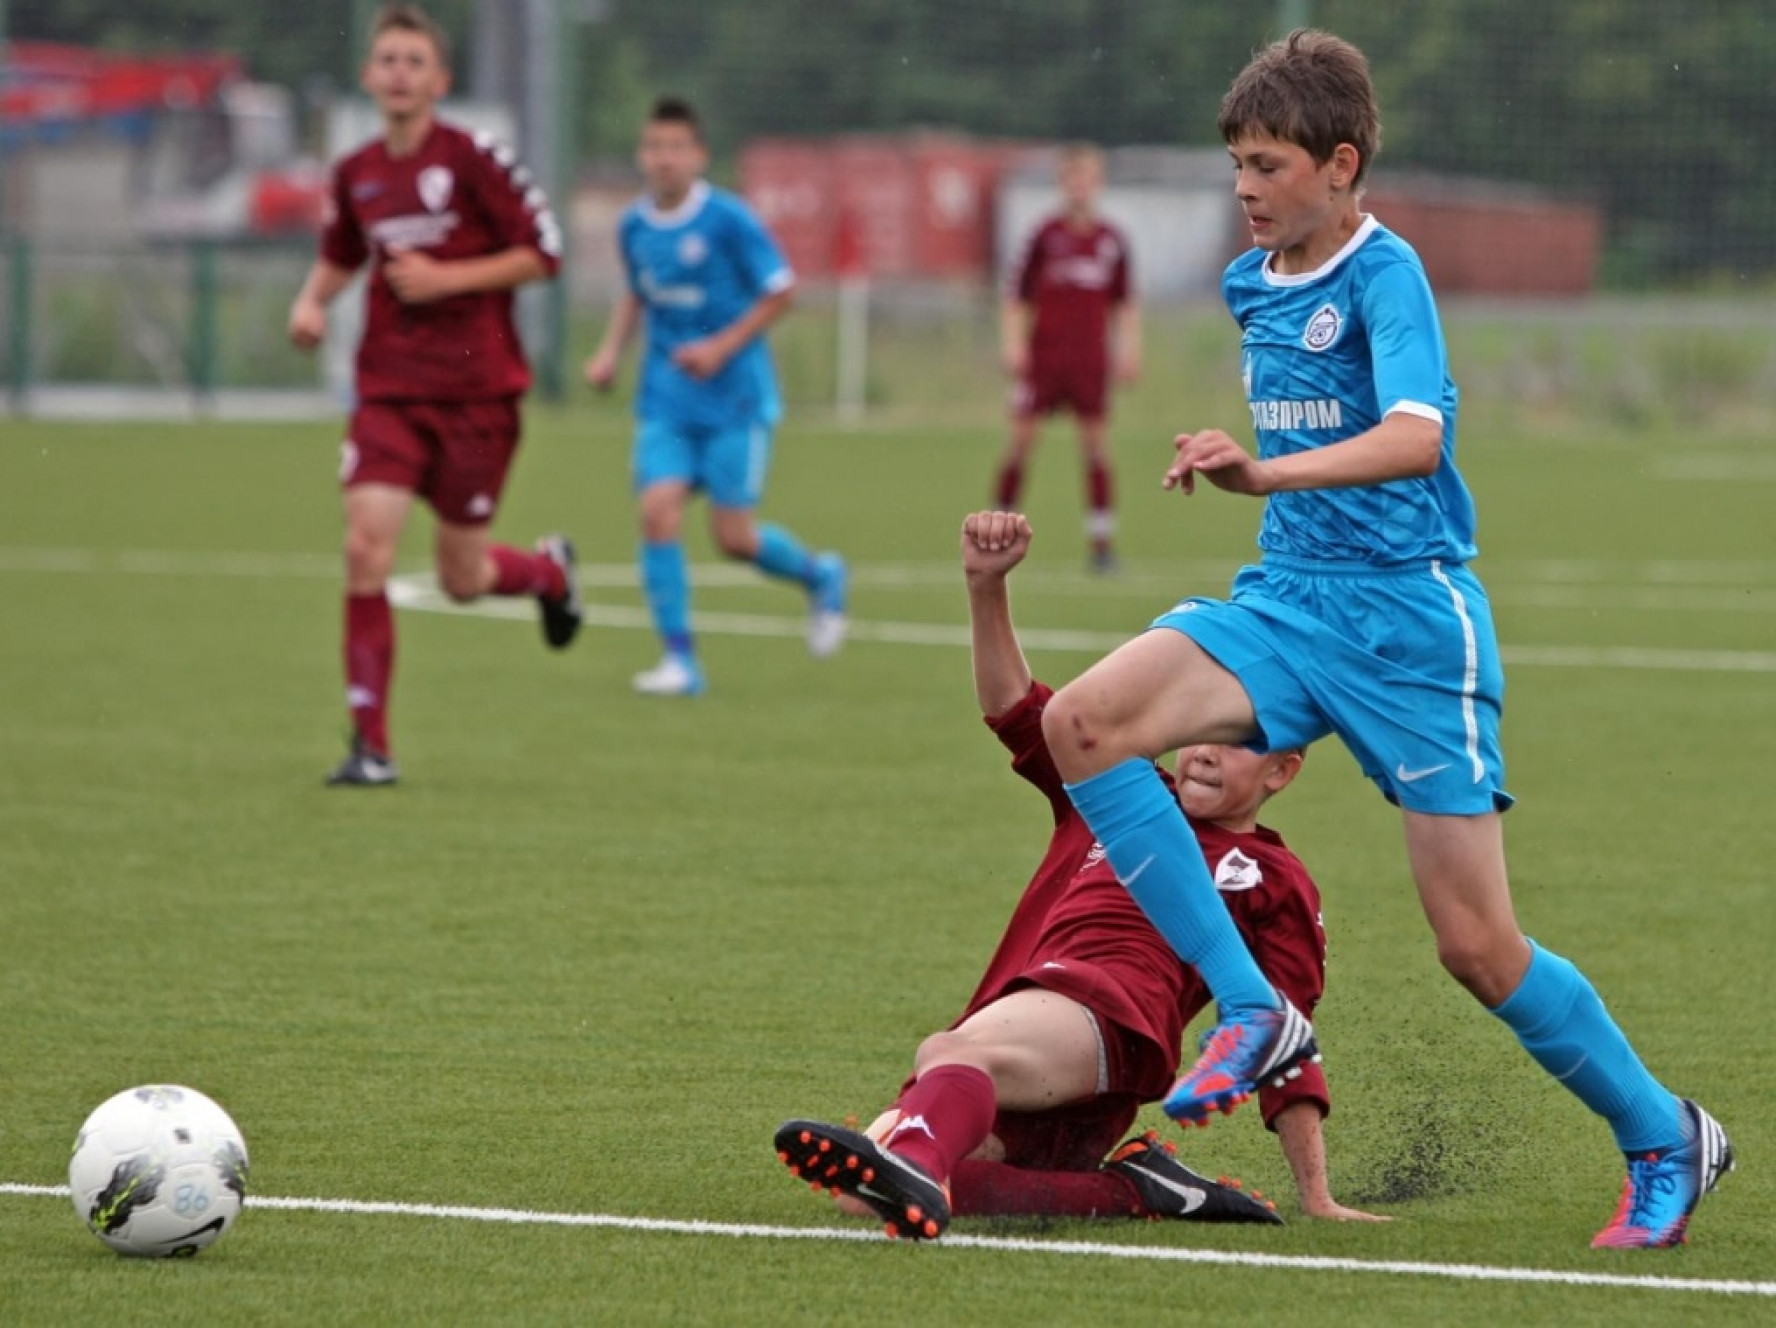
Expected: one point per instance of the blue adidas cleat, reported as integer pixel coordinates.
(1239, 1055)
(1663, 1189)
(827, 623)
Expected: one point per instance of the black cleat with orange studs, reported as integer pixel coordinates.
(1168, 1188)
(844, 1161)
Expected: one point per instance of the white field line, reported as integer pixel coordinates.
(1150, 581)
(418, 592)
(1662, 586)
(1004, 1244)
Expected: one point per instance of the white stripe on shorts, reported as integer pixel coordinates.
(1103, 1052)
(1470, 669)
(758, 440)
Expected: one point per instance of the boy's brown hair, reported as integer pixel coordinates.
(411, 18)
(1310, 89)
(677, 110)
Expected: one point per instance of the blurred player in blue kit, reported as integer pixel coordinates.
(709, 281)
(1362, 620)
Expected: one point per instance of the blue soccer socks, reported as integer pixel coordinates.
(782, 555)
(666, 584)
(1561, 1022)
(1149, 844)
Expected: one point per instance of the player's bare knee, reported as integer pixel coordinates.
(951, 1048)
(1474, 963)
(1073, 733)
(737, 546)
(461, 583)
(368, 557)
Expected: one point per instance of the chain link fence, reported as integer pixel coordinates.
(1589, 183)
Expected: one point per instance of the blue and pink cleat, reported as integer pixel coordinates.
(1239, 1056)
(1663, 1189)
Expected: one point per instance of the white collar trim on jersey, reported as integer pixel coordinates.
(689, 206)
(1365, 229)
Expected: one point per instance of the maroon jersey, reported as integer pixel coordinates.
(457, 196)
(1072, 279)
(1077, 931)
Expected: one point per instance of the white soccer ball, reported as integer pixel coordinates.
(159, 1171)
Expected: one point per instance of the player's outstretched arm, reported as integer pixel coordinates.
(1304, 1146)
(601, 369)
(992, 544)
(308, 313)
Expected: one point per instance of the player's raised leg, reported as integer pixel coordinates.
(374, 516)
(478, 442)
(470, 565)
(1158, 692)
(735, 465)
(778, 553)
(1676, 1152)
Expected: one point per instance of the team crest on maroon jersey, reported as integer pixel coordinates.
(435, 184)
(1237, 872)
(1323, 328)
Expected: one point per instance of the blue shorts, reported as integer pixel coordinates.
(726, 462)
(1401, 663)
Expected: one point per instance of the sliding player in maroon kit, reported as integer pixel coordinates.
(450, 225)
(1071, 317)
(1015, 1109)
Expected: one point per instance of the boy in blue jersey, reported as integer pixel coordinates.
(1362, 620)
(709, 280)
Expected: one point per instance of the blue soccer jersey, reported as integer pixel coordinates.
(1325, 356)
(695, 270)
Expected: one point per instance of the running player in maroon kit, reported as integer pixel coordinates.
(450, 225)
(1078, 1019)
(1070, 317)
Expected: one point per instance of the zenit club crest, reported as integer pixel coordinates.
(1323, 328)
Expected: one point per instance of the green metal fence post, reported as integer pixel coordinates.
(18, 351)
(203, 344)
(565, 41)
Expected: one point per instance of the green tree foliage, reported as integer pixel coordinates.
(292, 44)
(1657, 111)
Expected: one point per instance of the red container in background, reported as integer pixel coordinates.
(789, 182)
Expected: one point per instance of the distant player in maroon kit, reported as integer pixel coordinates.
(450, 225)
(1069, 319)
(1016, 1107)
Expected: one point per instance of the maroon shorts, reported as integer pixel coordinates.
(1134, 1069)
(453, 454)
(1076, 1137)
(1082, 388)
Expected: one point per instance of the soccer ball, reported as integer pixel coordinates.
(158, 1171)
